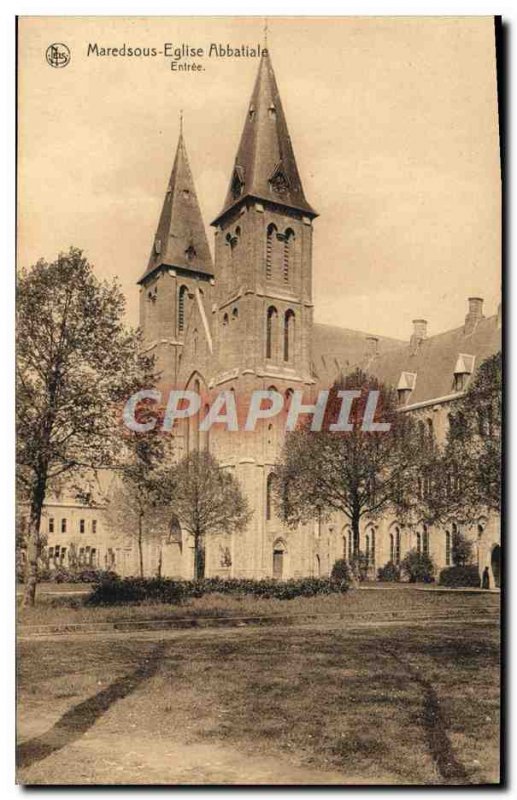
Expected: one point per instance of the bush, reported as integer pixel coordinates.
(467, 575)
(418, 567)
(114, 590)
(389, 572)
(67, 575)
(341, 571)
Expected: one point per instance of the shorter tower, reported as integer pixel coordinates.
(179, 275)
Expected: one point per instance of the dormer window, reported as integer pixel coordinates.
(186, 193)
(190, 252)
(405, 386)
(157, 246)
(462, 371)
(278, 180)
(237, 182)
(251, 113)
(272, 111)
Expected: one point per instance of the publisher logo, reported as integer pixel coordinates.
(58, 55)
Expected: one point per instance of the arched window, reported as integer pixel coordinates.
(425, 541)
(182, 301)
(317, 566)
(392, 549)
(225, 320)
(372, 548)
(288, 334)
(272, 316)
(397, 546)
(367, 547)
(447, 549)
(288, 253)
(270, 485)
(418, 543)
(235, 313)
(270, 240)
(205, 436)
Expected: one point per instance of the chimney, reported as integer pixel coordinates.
(475, 313)
(419, 333)
(372, 346)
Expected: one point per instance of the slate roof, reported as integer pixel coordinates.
(337, 350)
(265, 166)
(433, 359)
(180, 239)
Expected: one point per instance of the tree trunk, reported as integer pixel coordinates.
(355, 534)
(199, 557)
(33, 545)
(140, 546)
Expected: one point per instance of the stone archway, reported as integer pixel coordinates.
(495, 564)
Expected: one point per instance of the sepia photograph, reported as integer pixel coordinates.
(259, 401)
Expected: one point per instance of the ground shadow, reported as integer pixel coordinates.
(72, 725)
(450, 769)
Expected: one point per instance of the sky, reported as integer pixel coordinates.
(394, 127)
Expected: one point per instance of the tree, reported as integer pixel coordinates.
(469, 478)
(136, 504)
(76, 366)
(207, 499)
(361, 473)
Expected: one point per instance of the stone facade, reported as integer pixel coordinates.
(245, 322)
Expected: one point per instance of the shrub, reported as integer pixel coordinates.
(359, 566)
(67, 575)
(418, 567)
(114, 590)
(341, 571)
(462, 549)
(467, 575)
(389, 572)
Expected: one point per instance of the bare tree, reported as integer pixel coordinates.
(76, 366)
(207, 500)
(361, 473)
(136, 506)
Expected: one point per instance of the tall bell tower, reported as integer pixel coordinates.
(263, 249)
(262, 318)
(179, 274)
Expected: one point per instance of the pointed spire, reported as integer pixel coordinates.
(265, 166)
(180, 239)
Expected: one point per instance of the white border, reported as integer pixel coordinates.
(224, 7)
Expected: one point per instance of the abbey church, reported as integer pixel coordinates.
(244, 321)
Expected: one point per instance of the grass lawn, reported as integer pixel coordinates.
(64, 610)
(410, 705)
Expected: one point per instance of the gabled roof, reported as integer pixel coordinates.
(338, 351)
(265, 166)
(180, 239)
(436, 358)
(434, 361)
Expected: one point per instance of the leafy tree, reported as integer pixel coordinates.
(468, 482)
(76, 366)
(360, 473)
(419, 567)
(207, 500)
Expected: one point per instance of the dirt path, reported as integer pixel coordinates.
(101, 758)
